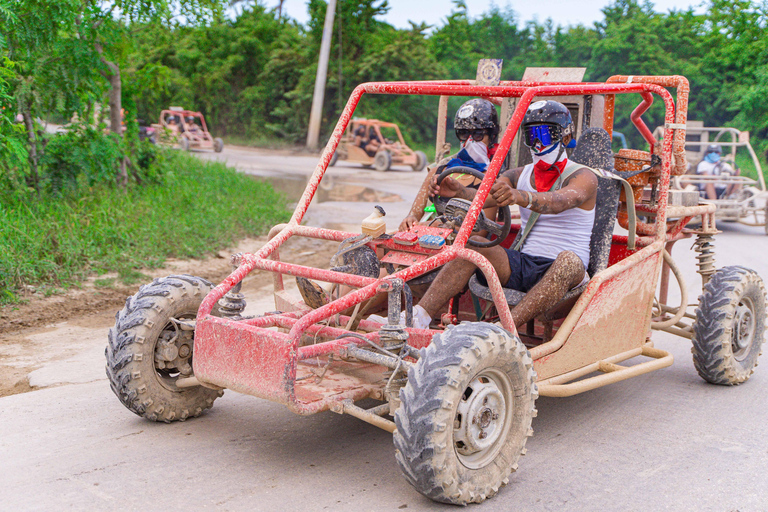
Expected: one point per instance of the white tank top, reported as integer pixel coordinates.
(552, 234)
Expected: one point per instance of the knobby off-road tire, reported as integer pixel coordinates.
(421, 161)
(382, 161)
(142, 328)
(218, 145)
(730, 326)
(466, 413)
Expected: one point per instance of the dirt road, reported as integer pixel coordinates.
(663, 441)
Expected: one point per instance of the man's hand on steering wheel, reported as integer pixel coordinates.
(505, 195)
(443, 184)
(448, 188)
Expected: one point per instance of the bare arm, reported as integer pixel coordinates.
(578, 191)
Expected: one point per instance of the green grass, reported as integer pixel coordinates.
(747, 166)
(197, 209)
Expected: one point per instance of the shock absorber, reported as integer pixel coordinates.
(706, 255)
(233, 303)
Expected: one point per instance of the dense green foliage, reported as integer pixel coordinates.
(253, 75)
(192, 209)
(91, 199)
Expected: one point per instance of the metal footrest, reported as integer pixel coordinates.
(562, 385)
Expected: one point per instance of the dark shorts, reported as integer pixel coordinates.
(526, 270)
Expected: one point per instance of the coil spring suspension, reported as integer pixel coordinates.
(233, 303)
(706, 257)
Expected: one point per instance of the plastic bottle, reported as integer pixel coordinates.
(374, 224)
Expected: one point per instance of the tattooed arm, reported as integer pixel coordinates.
(578, 191)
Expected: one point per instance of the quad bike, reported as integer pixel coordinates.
(743, 200)
(387, 154)
(185, 129)
(460, 396)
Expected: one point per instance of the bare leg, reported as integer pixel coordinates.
(711, 193)
(565, 272)
(455, 275)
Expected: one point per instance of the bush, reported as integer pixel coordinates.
(195, 209)
(81, 153)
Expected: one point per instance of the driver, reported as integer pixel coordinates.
(713, 165)
(477, 128)
(554, 256)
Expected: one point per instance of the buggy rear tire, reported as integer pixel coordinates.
(218, 145)
(382, 161)
(465, 413)
(730, 326)
(141, 366)
(421, 161)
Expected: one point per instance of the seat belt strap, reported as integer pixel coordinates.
(572, 167)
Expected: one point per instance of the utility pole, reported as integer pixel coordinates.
(322, 71)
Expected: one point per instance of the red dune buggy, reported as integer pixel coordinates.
(460, 396)
(187, 129)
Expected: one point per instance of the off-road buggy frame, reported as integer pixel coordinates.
(462, 396)
(389, 153)
(746, 199)
(186, 135)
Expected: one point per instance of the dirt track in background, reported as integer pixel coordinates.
(45, 329)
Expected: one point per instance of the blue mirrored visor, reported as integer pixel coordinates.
(545, 134)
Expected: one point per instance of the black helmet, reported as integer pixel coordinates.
(552, 113)
(477, 114)
(714, 148)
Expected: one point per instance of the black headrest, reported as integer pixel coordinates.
(593, 149)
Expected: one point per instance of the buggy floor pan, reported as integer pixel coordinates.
(256, 361)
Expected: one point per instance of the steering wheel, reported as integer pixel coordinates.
(460, 207)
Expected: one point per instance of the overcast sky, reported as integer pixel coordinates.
(433, 12)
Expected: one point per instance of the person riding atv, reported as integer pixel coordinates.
(557, 193)
(477, 127)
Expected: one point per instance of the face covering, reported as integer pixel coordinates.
(477, 151)
(712, 157)
(548, 164)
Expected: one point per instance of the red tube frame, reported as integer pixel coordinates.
(368, 286)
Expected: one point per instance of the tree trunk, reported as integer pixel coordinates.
(115, 106)
(115, 114)
(115, 98)
(32, 139)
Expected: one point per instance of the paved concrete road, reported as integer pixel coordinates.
(663, 441)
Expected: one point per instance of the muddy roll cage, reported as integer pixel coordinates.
(272, 373)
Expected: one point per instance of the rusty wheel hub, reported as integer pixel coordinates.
(743, 330)
(173, 353)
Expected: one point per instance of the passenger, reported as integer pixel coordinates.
(713, 165)
(360, 136)
(173, 124)
(477, 128)
(374, 143)
(554, 256)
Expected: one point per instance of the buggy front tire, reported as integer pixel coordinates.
(184, 144)
(382, 161)
(730, 326)
(465, 413)
(218, 145)
(334, 159)
(421, 161)
(148, 352)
